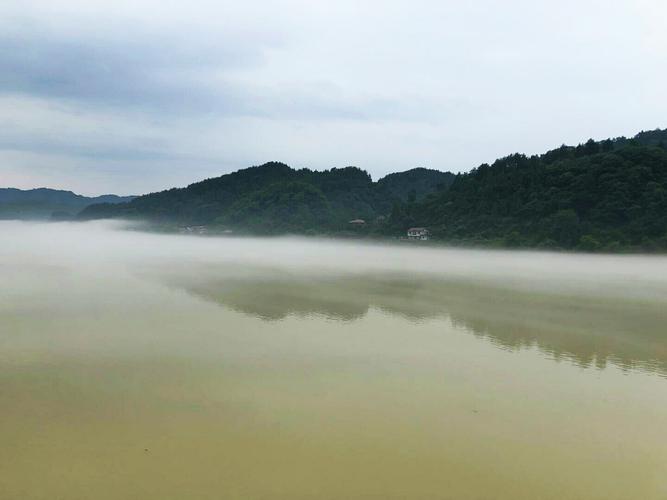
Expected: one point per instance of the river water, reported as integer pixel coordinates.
(146, 366)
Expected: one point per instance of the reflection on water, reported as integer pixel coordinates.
(162, 368)
(628, 333)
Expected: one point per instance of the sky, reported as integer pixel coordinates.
(134, 96)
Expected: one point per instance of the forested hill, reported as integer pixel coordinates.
(606, 195)
(274, 198)
(415, 184)
(43, 203)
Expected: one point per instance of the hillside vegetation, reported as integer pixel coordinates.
(274, 198)
(608, 196)
(603, 195)
(44, 203)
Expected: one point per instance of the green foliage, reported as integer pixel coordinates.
(274, 198)
(44, 203)
(415, 184)
(588, 243)
(598, 196)
(280, 208)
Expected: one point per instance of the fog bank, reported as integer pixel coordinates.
(107, 248)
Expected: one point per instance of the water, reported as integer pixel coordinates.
(135, 365)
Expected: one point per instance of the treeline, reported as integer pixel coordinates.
(44, 203)
(276, 199)
(609, 195)
(598, 196)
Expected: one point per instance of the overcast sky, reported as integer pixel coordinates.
(136, 96)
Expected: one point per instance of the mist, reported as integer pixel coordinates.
(111, 248)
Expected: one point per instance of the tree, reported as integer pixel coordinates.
(588, 243)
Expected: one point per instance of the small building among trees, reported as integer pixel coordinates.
(418, 233)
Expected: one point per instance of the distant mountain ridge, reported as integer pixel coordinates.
(608, 195)
(275, 198)
(43, 203)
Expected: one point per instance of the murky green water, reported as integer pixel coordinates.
(136, 366)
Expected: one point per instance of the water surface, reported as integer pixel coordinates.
(149, 366)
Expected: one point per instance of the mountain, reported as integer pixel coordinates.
(274, 198)
(416, 183)
(606, 195)
(43, 203)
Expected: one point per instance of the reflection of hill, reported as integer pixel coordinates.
(277, 300)
(586, 330)
(334, 298)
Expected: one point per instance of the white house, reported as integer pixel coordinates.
(418, 233)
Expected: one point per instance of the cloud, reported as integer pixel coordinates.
(168, 77)
(150, 74)
(169, 91)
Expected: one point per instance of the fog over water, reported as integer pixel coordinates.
(105, 247)
(135, 364)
